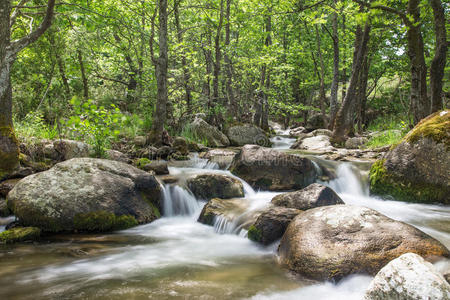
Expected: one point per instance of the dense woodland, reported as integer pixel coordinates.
(138, 67)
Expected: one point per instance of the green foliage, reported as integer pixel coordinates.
(254, 234)
(34, 125)
(142, 162)
(385, 138)
(20, 234)
(97, 126)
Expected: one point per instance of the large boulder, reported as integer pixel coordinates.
(314, 195)
(408, 277)
(331, 242)
(181, 145)
(86, 194)
(241, 135)
(222, 157)
(210, 134)
(268, 169)
(316, 121)
(208, 186)
(417, 168)
(271, 224)
(296, 132)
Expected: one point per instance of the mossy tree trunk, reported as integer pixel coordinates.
(9, 150)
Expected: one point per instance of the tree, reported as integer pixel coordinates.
(161, 63)
(9, 151)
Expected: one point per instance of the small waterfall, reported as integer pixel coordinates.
(317, 168)
(348, 182)
(179, 201)
(203, 163)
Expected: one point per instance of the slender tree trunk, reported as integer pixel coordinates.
(440, 56)
(321, 72)
(186, 75)
(62, 73)
(344, 60)
(335, 83)
(217, 117)
(362, 96)
(83, 75)
(232, 105)
(161, 65)
(344, 123)
(419, 97)
(208, 65)
(265, 77)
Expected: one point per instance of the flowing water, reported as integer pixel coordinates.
(176, 257)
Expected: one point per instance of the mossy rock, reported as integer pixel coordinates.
(100, 221)
(416, 169)
(142, 162)
(254, 234)
(20, 234)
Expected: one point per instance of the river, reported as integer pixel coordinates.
(176, 257)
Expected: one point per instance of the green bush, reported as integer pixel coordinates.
(34, 125)
(97, 126)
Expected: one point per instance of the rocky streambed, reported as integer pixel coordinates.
(225, 234)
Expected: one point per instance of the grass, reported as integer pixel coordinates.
(386, 138)
(190, 135)
(34, 125)
(391, 130)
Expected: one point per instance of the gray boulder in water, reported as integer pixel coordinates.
(86, 194)
(268, 169)
(241, 135)
(408, 277)
(332, 242)
(208, 186)
(314, 195)
(271, 224)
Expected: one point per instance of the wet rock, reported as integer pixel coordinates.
(332, 242)
(417, 168)
(86, 194)
(7, 185)
(220, 207)
(164, 152)
(181, 145)
(271, 224)
(169, 179)
(158, 166)
(20, 234)
(118, 156)
(408, 277)
(241, 135)
(269, 169)
(212, 135)
(222, 157)
(355, 142)
(319, 143)
(447, 277)
(296, 132)
(208, 186)
(314, 195)
(68, 149)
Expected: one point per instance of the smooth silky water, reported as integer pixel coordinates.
(176, 257)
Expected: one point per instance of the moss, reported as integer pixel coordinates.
(436, 127)
(141, 162)
(155, 210)
(20, 234)
(383, 183)
(100, 221)
(254, 234)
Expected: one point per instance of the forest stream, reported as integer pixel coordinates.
(177, 257)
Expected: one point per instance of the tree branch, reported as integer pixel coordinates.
(18, 45)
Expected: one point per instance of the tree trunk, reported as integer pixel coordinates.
(217, 117)
(9, 149)
(265, 76)
(159, 119)
(321, 72)
(83, 75)
(419, 98)
(208, 65)
(335, 83)
(440, 56)
(232, 105)
(186, 75)
(344, 122)
(362, 96)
